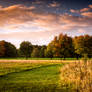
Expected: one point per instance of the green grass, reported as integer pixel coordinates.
(30, 77)
(21, 58)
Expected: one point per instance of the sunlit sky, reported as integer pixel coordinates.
(38, 21)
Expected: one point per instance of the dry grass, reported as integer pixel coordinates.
(77, 76)
(40, 61)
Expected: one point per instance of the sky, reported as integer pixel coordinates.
(38, 21)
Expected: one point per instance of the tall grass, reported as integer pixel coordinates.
(77, 76)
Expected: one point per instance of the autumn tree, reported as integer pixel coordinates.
(66, 46)
(61, 46)
(2, 48)
(88, 45)
(83, 45)
(10, 50)
(56, 47)
(26, 48)
(7, 49)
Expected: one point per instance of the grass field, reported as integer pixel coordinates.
(30, 77)
(21, 58)
(45, 76)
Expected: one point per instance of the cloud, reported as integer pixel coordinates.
(54, 4)
(81, 31)
(15, 14)
(90, 6)
(81, 10)
(87, 14)
(38, 38)
(84, 12)
(19, 17)
(84, 9)
(74, 11)
(19, 22)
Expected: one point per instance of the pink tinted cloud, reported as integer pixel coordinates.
(74, 11)
(90, 6)
(84, 9)
(81, 10)
(54, 4)
(87, 14)
(21, 23)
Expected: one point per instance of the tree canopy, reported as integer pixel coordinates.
(26, 49)
(7, 49)
(62, 46)
(83, 45)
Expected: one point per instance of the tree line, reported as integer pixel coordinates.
(61, 46)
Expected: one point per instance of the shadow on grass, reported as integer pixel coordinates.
(32, 87)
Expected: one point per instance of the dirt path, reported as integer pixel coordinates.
(39, 61)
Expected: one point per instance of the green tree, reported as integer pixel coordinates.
(35, 53)
(42, 51)
(26, 49)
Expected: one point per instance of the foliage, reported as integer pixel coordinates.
(48, 51)
(2, 48)
(26, 48)
(83, 45)
(42, 52)
(10, 50)
(35, 53)
(61, 46)
(66, 46)
(7, 49)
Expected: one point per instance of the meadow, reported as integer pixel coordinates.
(23, 58)
(30, 77)
(45, 76)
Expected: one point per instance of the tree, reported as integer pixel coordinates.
(2, 48)
(35, 53)
(55, 47)
(7, 49)
(10, 50)
(48, 51)
(88, 45)
(83, 45)
(26, 48)
(66, 46)
(61, 47)
(42, 51)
